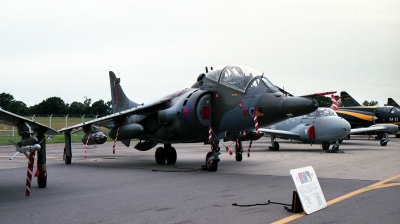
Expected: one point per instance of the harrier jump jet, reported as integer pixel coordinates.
(221, 104)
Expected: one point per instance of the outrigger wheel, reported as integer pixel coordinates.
(42, 179)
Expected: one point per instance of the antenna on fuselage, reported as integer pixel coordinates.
(211, 68)
(207, 70)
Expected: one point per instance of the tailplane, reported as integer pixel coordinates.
(347, 101)
(120, 101)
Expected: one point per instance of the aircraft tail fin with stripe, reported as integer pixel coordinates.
(120, 101)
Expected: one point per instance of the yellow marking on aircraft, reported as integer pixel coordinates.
(323, 122)
(361, 116)
(234, 94)
(380, 184)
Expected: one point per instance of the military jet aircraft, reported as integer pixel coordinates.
(322, 126)
(365, 116)
(221, 104)
(29, 144)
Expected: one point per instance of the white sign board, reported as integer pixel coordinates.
(308, 189)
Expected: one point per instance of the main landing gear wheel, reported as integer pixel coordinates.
(212, 166)
(325, 145)
(239, 156)
(275, 147)
(383, 142)
(171, 155)
(42, 179)
(160, 155)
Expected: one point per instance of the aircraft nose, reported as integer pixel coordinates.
(297, 106)
(314, 105)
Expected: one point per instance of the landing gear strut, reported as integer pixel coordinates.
(239, 150)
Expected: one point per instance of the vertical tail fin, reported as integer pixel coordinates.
(334, 102)
(120, 101)
(347, 100)
(391, 102)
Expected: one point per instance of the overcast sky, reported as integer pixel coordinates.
(66, 48)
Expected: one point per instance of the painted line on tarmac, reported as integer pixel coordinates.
(380, 184)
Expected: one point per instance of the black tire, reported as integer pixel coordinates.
(276, 146)
(213, 165)
(160, 155)
(42, 179)
(325, 145)
(67, 159)
(383, 142)
(171, 155)
(347, 137)
(239, 157)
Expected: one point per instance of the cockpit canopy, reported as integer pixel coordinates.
(241, 78)
(323, 112)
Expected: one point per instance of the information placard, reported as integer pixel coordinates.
(308, 189)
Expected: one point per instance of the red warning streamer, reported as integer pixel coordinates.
(116, 137)
(209, 134)
(256, 122)
(228, 150)
(31, 162)
(87, 141)
(248, 151)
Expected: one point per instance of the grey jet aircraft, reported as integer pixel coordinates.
(29, 145)
(322, 126)
(221, 104)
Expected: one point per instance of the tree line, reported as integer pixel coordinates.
(56, 106)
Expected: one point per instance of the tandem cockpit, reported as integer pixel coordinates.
(241, 78)
(322, 112)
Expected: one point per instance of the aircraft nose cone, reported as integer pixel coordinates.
(297, 106)
(314, 105)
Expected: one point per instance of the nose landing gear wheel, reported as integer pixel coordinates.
(239, 157)
(212, 166)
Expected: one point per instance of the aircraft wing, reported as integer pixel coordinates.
(14, 119)
(318, 94)
(306, 96)
(280, 133)
(376, 127)
(141, 110)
